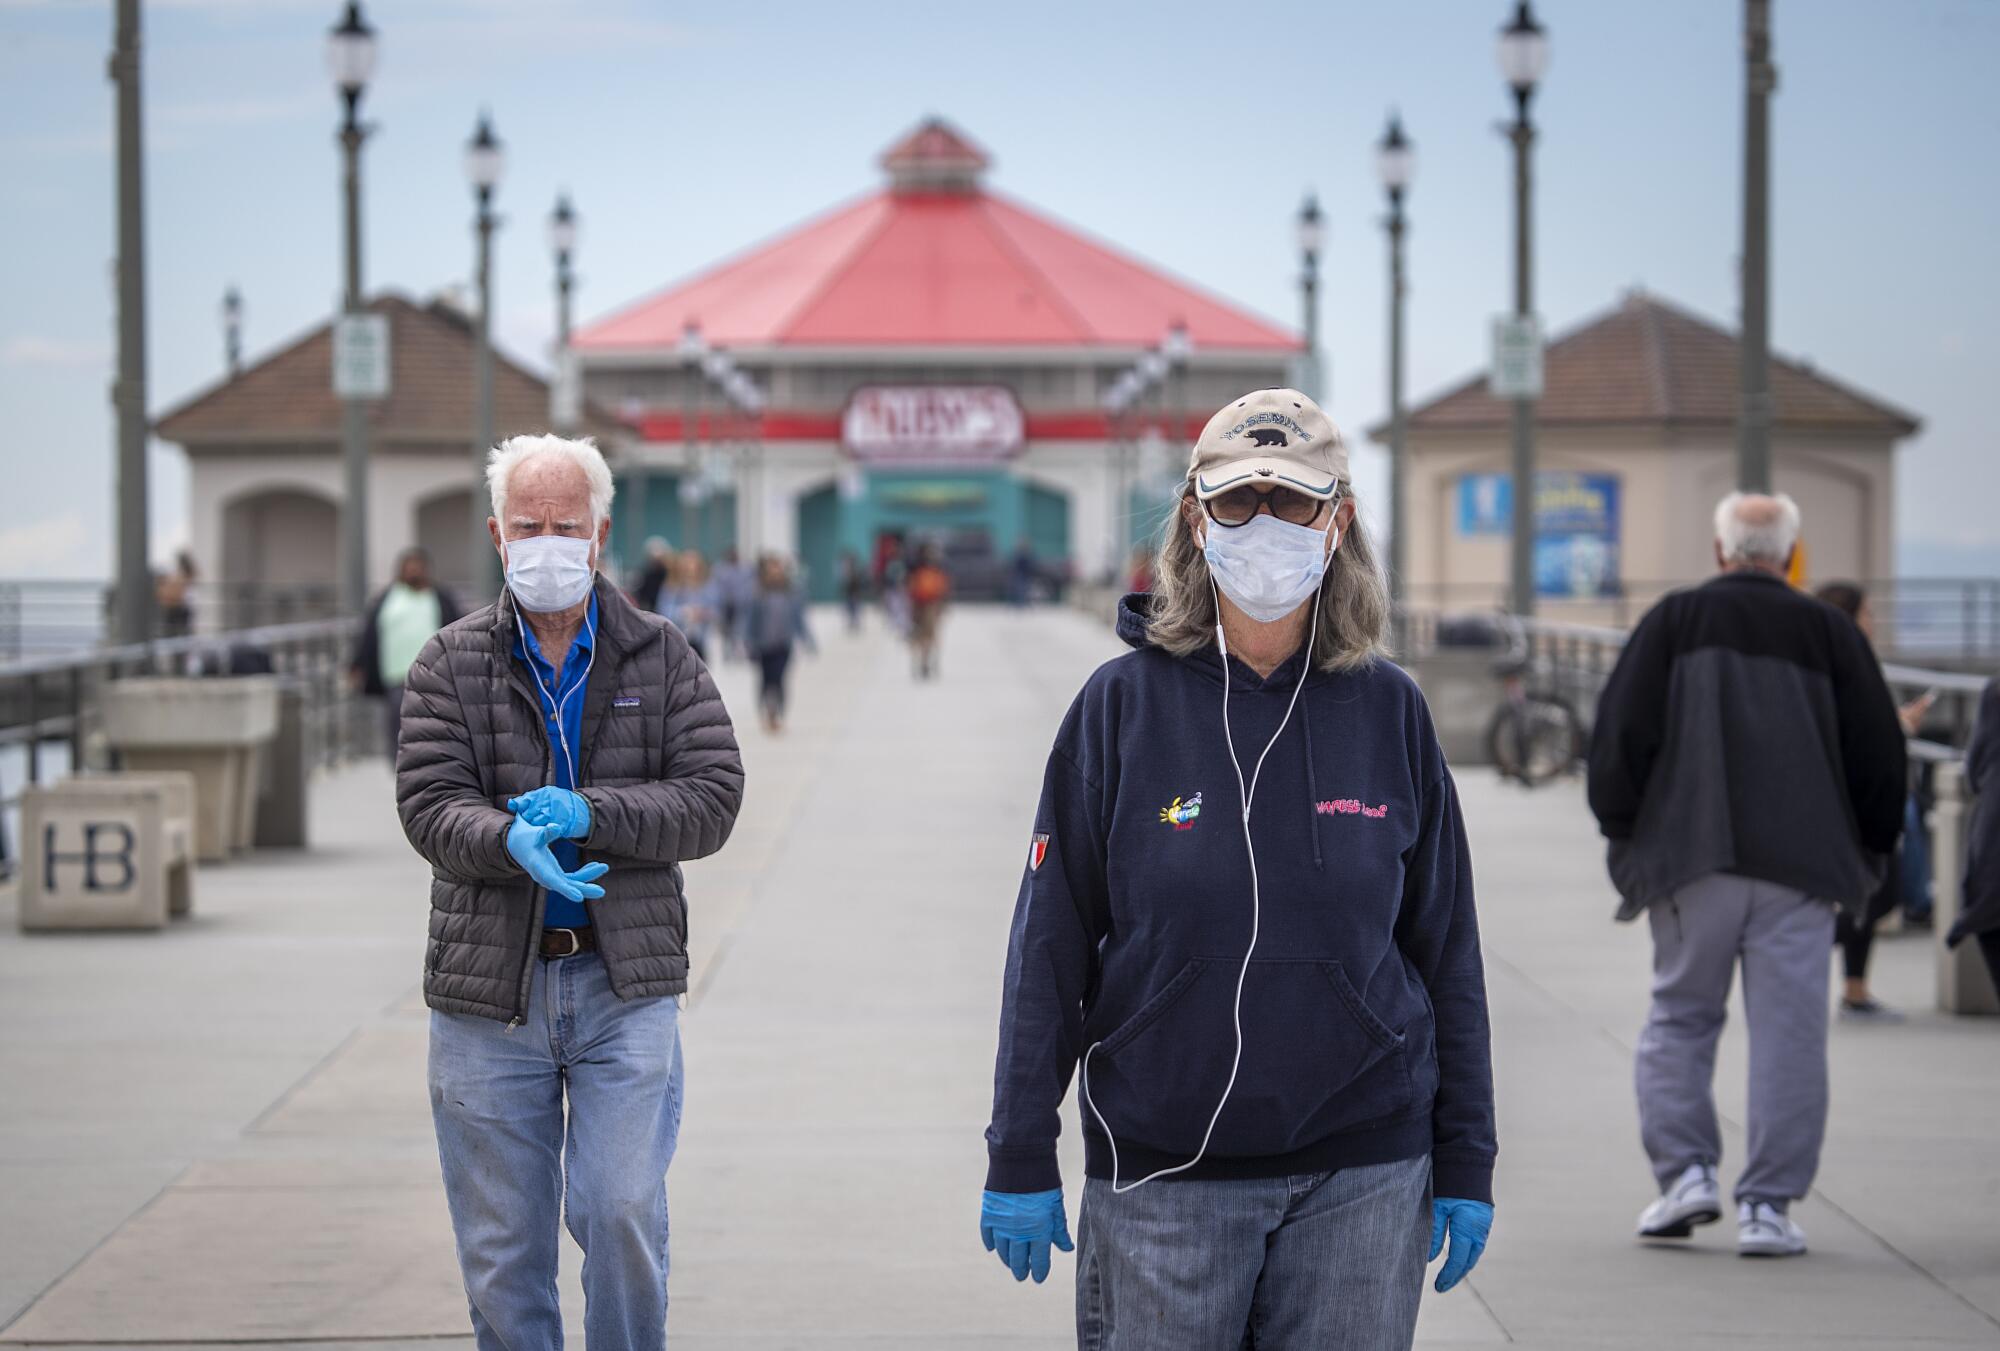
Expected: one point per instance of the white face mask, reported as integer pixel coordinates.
(1267, 566)
(548, 572)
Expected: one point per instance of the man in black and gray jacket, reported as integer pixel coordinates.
(1748, 770)
(563, 754)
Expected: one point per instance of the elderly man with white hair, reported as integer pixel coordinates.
(1748, 770)
(562, 753)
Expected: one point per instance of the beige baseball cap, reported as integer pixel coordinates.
(1276, 436)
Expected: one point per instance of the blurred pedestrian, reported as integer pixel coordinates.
(853, 588)
(1276, 1131)
(1748, 771)
(1139, 572)
(894, 586)
(1979, 906)
(398, 624)
(173, 597)
(1855, 934)
(691, 599)
(929, 588)
(1021, 575)
(1061, 577)
(551, 978)
(773, 622)
(733, 585)
(653, 575)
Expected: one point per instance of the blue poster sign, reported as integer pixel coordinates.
(1576, 527)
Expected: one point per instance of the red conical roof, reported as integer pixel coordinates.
(935, 261)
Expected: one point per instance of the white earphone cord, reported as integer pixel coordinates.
(561, 735)
(1256, 906)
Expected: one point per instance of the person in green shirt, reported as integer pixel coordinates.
(399, 622)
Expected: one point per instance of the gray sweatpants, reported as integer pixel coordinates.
(1781, 936)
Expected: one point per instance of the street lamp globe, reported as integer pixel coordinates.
(692, 343)
(562, 227)
(485, 161)
(350, 53)
(1177, 345)
(1395, 157)
(232, 309)
(1524, 51)
(1310, 233)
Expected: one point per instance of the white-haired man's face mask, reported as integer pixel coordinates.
(549, 543)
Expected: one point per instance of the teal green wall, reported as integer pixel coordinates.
(919, 502)
(713, 521)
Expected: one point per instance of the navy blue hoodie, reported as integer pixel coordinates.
(1364, 1010)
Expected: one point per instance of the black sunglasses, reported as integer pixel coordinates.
(1238, 505)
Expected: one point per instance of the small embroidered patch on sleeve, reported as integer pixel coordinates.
(1037, 852)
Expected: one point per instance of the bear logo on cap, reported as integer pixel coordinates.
(1268, 436)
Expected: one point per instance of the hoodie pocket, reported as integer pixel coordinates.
(1316, 1061)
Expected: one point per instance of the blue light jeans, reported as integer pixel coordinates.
(1303, 1263)
(514, 1169)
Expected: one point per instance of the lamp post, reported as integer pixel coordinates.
(562, 242)
(1177, 347)
(1311, 236)
(1153, 367)
(133, 597)
(693, 348)
(350, 60)
(1395, 159)
(484, 163)
(1524, 55)
(1753, 426)
(232, 331)
(1115, 400)
(750, 504)
(717, 369)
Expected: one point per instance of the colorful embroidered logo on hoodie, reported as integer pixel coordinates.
(1038, 851)
(1348, 806)
(1182, 814)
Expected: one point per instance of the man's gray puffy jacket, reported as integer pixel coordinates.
(659, 767)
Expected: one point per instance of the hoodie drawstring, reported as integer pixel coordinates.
(1312, 777)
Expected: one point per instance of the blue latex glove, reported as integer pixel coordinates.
(1020, 1226)
(1469, 1222)
(568, 812)
(529, 844)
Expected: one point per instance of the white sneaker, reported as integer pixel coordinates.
(1762, 1230)
(1693, 1199)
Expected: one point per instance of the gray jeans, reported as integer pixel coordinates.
(1276, 1264)
(1700, 934)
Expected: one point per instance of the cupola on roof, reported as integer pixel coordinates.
(935, 259)
(935, 157)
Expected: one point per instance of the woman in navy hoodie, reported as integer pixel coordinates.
(1247, 922)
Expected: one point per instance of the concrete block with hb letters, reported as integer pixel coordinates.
(110, 851)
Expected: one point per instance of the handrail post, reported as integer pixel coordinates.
(34, 723)
(1962, 982)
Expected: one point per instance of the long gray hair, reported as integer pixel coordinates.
(1353, 596)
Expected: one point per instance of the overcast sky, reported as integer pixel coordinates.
(1185, 132)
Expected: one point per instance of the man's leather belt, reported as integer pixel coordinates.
(568, 942)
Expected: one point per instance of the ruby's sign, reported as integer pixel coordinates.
(932, 423)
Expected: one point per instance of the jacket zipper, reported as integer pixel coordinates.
(535, 923)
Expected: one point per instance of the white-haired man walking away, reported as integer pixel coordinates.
(1748, 770)
(563, 752)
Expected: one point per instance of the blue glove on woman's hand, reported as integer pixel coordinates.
(1020, 1226)
(529, 844)
(568, 812)
(1468, 1222)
